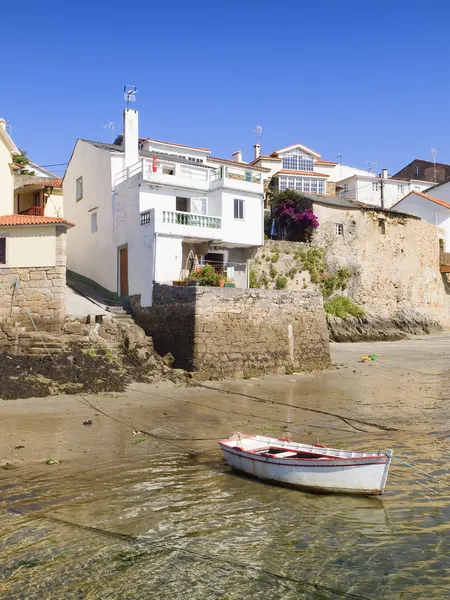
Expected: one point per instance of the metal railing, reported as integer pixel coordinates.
(35, 211)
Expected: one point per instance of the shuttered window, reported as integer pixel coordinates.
(2, 251)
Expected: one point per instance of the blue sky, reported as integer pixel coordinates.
(364, 79)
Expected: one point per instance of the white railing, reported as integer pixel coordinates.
(176, 217)
(243, 174)
(184, 218)
(128, 172)
(174, 169)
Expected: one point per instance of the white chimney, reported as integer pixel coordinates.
(3, 124)
(384, 173)
(237, 156)
(130, 137)
(257, 148)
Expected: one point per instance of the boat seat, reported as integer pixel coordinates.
(286, 454)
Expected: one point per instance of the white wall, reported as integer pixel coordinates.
(338, 172)
(442, 191)
(168, 259)
(363, 190)
(6, 181)
(30, 246)
(246, 232)
(55, 206)
(93, 255)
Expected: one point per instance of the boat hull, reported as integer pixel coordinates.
(365, 476)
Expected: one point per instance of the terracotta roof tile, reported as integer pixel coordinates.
(427, 197)
(265, 157)
(12, 220)
(326, 162)
(43, 182)
(302, 173)
(240, 164)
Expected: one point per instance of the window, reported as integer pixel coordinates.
(2, 251)
(181, 204)
(297, 161)
(302, 184)
(94, 227)
(382, 226)
(238, 209)
(339, 229)
(79, 188)
(198, 206)
(400, 189)
(375, 186)
(345, 188)
(417, 171)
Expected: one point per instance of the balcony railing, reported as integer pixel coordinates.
(35, 211)
(175, 217)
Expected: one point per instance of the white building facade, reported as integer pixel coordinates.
(145, 210)
(369, 189)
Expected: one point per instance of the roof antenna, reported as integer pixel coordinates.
(433, 154)
(339, 157)
(129, 93)
(110, 126)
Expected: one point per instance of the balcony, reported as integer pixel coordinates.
(183, 223)
(201, 178)
(35, 211)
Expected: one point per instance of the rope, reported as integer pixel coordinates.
(417, 469)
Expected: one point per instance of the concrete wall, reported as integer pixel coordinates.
(29, 246)
(6, 180)
(234, 333)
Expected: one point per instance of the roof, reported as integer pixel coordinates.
(326, 162)
(240, 164)
(427, 197)
(111, 147)
(302, 173)
(263, 157)
(338, 202)
(298, 145)
(42, 183)
(14, 220)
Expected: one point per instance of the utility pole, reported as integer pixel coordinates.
(382, 192)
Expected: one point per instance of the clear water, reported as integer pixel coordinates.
(195, 527)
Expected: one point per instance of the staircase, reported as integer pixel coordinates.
(120, 310)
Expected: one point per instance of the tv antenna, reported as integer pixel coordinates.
(433, 154)
(129, 93)
(110, 126)
(371, 166)
(258, 130)
(339, 157)
(8, 128)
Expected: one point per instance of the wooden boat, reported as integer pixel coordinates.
(316, 467)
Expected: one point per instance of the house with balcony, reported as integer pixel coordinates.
(39, 197)
(147, 209)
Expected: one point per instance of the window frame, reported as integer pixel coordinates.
(237, 203)
(3, 239)
(79, 185)
(375, 186)
(339, 229)
(94, 215)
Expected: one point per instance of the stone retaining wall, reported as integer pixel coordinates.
(225, 332)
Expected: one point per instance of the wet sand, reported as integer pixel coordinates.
(129, 515)
(402, 394)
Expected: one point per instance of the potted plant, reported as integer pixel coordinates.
(221, 281)
(205, 275)
(180, 282)
(229, 283)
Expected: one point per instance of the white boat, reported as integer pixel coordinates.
(315, 467)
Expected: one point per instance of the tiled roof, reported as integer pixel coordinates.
(302, 173)
(326, 162)
(240, 164)
(427, 197)
(9, 220)
(43, 182)
(293, 146)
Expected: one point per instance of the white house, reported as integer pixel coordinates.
(369, 189)
(430, 208)
(144, 209)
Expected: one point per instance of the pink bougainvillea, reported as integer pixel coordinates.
(292, 218)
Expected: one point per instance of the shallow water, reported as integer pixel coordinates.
(195, 528)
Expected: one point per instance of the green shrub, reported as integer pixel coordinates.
(253, 281)
(334, 282)
(292, 273)
(275, 258)
(281, 282)
(273, 272)
(205, 276)
(312, 260)
(341, 306)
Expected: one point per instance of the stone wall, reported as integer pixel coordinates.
(394, 260)
(36, 291)
(235, 333)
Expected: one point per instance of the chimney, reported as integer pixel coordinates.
(257, 148)
(237, 156)
(130, 137)
(3, 124)
(384, 173)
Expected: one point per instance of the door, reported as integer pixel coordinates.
(123, 271)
